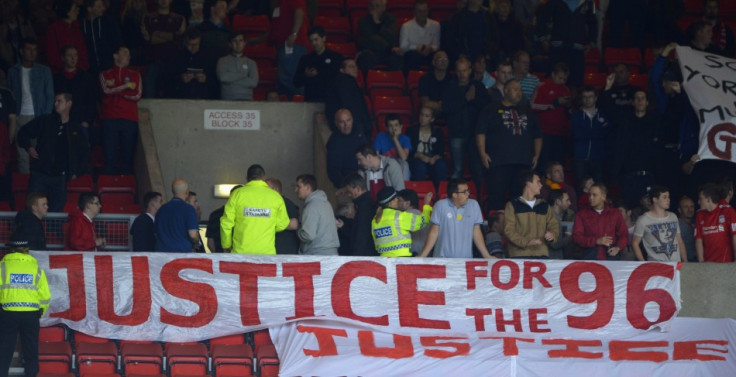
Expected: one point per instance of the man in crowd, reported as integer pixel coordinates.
(590, 129)
(119, 112)
(391, 227)
(143, 229)
(176, 224)
(317, 69)
(345, 93)
(341, 147)
(471, 31)
(161, 30)
(287, 241)
(377, 36)
(361, 241)
(560, 203)
(509, 141)
(379, 171)
(686, 222)
(715, 226)
(555, 180)
(237, 73)
(253, 215)
(61, 152)
(504, 73)
(530, 222)
(33, 89)
(317, 226)
(529, 82)
(409, 202)
(82, 235)
(551, 102)
(83, 88)
(600, 229)
(24, 299)
(190, 78)
(28, 225)
(419, 38)
(213, 227)
(658, 230)
(215, 32)
(496, 239)
(456, 223)
(432, 84)
(618, 91)
(723, 39)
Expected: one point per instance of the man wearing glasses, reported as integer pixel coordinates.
(82, 235)
(456, 225)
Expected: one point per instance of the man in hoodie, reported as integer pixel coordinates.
(317, 228)
(600, 230)
(28, 225)
(101, 34)
(82, 236)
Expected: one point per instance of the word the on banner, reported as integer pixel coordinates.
(165, 297)
(232, 119)
(693, 347)
(711, 86)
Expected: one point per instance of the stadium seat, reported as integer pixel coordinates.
(421, 188)
(55, 375)
(330, 8)
(260, 338)
(385, 83)
(116, 183)
(356, 7)
(640, 79)
(95, 355)
(52, 334)
(116, 198)
(268, 77)
(19, 189)
(346, 49)
(231, 356)
(268, 360)
(412, 82)
(252, 26)
(141, 358)
(337, 28)
(98, 157)
(188, 358)
(263, 54)
(54, 356)
(593, 60)
(596, 80)
(81, 184)
(629, 56)
(383, 106)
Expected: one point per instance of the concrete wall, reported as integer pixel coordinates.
(283, 146)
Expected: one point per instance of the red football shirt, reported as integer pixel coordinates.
(716, 228)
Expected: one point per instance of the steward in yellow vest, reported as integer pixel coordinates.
(391, 227)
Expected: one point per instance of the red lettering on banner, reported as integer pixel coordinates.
(457, 348)
(249, 273)
(340, 296)
(602, 295)
(688, 350)
(515, 320)
(303, 274)
(402, 348)
(141, 308)
(471, 272)
(637, 296)
(510, 348)
(410, 297)
(496, 272)
(535, 323)
(535, 270)
(572, 348)
(620, 350)
(480, 324)
(325, 340)
(74, 265)
(201, 294)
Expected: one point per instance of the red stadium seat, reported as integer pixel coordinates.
(20, 182)
(421, 188)
(19, 200)
(383, 106)
(385, 83)
(354, 7)
(593, 60)
(336, 28)
(54, 357)
(263, 54)
(268, 360)
(346, 49)
(95, 355)
(330, 8)
(629, 56)
(55, 375)
(640, 79)
(231, 356)
(143, 358)
(81, 184)
(252, 26)
(52, 334)
(116, 183)
(186, 358)
(597, 80)
(412, 82)
(268, 76)
(116, 198)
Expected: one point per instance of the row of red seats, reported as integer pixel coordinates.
(92, 356)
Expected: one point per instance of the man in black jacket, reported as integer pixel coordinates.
(360, 239)
(84, 88)
(61, 152)
(345, 93)
(28, 225)
(143, 230)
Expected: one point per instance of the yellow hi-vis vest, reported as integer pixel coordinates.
(391, 234)
(23, 285)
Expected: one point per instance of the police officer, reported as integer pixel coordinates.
(24, 296)
(252, 216)
(391, 227)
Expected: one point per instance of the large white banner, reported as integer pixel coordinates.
(710, 81)
(180, 297)
(694, 347)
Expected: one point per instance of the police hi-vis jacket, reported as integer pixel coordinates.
(391, 232)
(23, 285)
(253, 215)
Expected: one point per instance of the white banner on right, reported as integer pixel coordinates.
(710, 82)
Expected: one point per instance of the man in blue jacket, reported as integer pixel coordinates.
(590, 129)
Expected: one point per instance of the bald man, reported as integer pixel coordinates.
(176, 222)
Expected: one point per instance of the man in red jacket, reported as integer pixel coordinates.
(81, 234)
(551, 102)
(600, 230)
(119, 114)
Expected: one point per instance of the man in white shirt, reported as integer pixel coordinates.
(419, 38)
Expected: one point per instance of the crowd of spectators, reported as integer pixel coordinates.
(533, 113)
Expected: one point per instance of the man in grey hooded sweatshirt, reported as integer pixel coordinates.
(317, 225)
